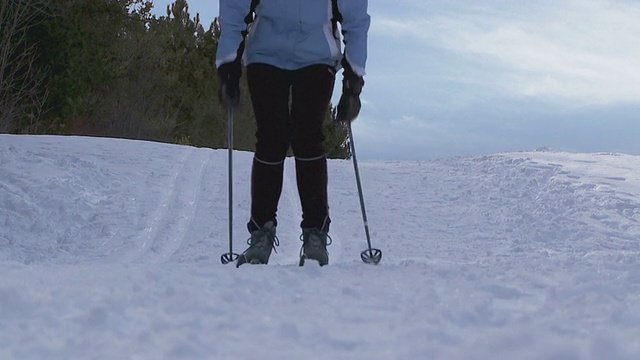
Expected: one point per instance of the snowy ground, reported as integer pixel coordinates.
(109, 249)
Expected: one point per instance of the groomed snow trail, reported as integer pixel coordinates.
(110, 249)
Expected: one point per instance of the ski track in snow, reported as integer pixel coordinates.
(110, 249)
(170, 223)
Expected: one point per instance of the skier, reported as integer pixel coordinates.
(292, 53)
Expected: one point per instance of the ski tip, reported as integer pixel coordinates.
(240, 261)
(303, 260)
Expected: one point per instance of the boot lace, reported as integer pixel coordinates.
(262, 237)
(314, 236)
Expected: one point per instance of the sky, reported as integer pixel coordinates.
(468, 77)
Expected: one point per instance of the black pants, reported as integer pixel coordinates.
(290, 107)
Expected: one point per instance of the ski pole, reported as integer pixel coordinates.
(370, 255)
(230, 256)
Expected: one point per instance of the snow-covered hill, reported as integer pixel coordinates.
(109, 249)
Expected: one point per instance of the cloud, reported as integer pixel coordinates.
(464, 77)
(414, 137)
(585, 52)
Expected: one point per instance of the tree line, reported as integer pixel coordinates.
(112, 68)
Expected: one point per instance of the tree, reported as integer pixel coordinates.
(335, 137)
(22, 95)
(78, 45)
(110, 68)
(134, 103)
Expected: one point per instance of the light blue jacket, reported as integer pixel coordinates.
(292, 34)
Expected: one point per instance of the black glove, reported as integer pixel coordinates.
(349, 104)
(229, 90)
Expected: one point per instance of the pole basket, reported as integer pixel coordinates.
(371, 256)
(228, 258)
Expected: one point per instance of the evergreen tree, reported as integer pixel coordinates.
(111, 68)
(78, 46)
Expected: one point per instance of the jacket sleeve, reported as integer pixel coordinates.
(232, 13)
(355, 27)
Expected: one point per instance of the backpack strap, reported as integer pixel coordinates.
(248, 19)
(250, 16)
(337, 16)
(335, 19)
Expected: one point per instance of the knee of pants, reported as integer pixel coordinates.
(271, 146)
(308, 146)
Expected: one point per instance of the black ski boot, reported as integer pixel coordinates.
(261, 242)
(314, 246)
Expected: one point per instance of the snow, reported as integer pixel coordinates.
(110, 249)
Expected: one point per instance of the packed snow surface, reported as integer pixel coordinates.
(110, 249)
